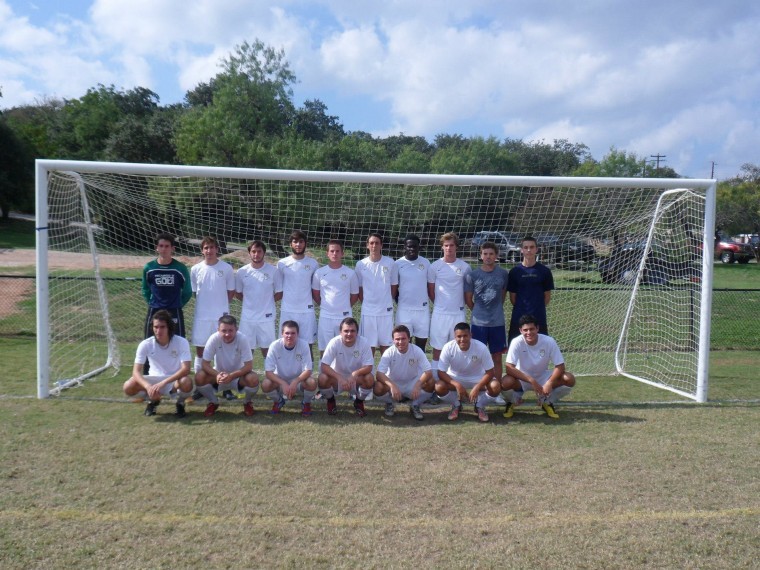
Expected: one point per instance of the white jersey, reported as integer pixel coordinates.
(449, 285)
(288, 363)
(163, 360)
(375, 280)
(230, 356)
(336, 287)
(210, 284)
(534, 360)
(258, 287)
(345, 359)
(469, 365)
(404, 368)
(412, 283)
(296, 277)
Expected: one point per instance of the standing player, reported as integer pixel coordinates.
(528, 360)
(335, 288)
(404, 372)
(413, 309)
(347, 366)
(169, 358)
(530, 288)
(213, 282)
(297, 305)
(378, 286)
(227, 365)
(288, 370)
(166, 285)
(446, 289)
(466, 365)
(485, 289)
(259, 287)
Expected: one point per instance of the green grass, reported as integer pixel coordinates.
(16, 234)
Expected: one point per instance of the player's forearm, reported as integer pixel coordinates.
(363, 371)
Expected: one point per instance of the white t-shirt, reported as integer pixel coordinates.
(461, 365)
(345, 359)
(210, 284)
(449, 285)
(296, 284)
(336, 287)
(412, 283)
(229, 356)
(258, 287)
(163, 360)
(288, 363)
(403, 368)
(534, 360)
(375, 279)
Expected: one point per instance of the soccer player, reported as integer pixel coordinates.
(166, 285)
(530, 288)
(485, 290)
(259, 286)
(347, 366)
(288, 369)
(378, 286)
(335, 288)
(446, 290)
(528, 360)
(227, 365)
(297, 305)
(169, 358)
(466, 365)
(213, 282)
(404, 373)
(413, 308)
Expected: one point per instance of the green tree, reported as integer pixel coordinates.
(16, 173)
(312, 122)
(738, 202)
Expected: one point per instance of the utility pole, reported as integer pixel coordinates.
(657, 158)
(712, 171)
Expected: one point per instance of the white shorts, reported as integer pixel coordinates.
(166, 389)
(467, 381)
(328, 329)
(307, 325)
(377, 330)
(260, 334)
(202, 330)
(442, 328)
(542, 379)
(416, 320)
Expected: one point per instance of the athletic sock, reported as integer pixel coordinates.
(274, 395)
(182, 396)
(209, 393)
(327, 393)
(422, 398)
(364, 393)
(249, 392)
(308, 396)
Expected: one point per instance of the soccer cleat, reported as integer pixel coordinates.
(332, 407)
(482, 414)
(549, 409)
(197, 396)
(390, 410)
(455, 409)
(277, 406)
(150, 409)
(305, 409)
(229, 395)
(359, 408)
(416, 412)
(211, 409)
(434, 400)
(248, 409)
(509, 411)
(180, 407)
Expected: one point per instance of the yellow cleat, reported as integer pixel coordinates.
(549, 409)
(509, 411)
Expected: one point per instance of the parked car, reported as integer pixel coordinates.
(622, 265)
(508, 244)
(728, 250)
(567, 252)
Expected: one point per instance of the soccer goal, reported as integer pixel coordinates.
(632, 258)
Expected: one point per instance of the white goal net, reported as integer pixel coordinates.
(631, 258)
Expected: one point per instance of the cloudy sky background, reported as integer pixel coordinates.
(678, 78)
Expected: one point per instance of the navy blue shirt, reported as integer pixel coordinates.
(530, 284)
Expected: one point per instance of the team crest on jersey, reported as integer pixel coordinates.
(343, 276)
(458, 271)
(356, 354)
(220, 273)
(264, 277)
(299, 358)
(542, 353)
(385, 269)
(475, 359)
(174, 354)
(421, 267)
(412, 362)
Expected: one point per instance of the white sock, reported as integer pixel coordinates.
(451, 398)
(327, 393)
(422, 398)
(274, 395)
(182, 396)
(364, 392)
(209, 393)
(249, 392)
(308, 396)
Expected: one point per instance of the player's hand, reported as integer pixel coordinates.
(223, 378)
(546, 389)
(474, 395)
(396, 393)
(461, 392)
(154, 392)
(290, 391)
(416, 391)
(537, 388)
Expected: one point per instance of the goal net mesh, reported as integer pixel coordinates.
(626, 261)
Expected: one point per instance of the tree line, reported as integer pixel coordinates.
(245, 117)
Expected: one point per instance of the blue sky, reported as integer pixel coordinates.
(678, 78)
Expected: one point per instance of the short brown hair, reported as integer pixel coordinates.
(449, 236)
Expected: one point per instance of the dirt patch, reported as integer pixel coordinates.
(69, 260)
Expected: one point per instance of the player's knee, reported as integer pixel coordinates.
(323, 380)
(251, 380)
(185, 384)
(493, 388)
(130, 387)
(309, 384)
(568, 379)
(201, 378)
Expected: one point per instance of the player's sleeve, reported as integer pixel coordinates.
(394, 274)
(315, 284)
(277, 278)
(423, 363)
(145, 286)
(308, 363)
(187, 289)
(229, 278)
(556, 354)
(431, 273)
(270, 362)
(549, 280)
(367, 356)
(209, 351)
(329, 356)
(184, 350)
(512, 353)
(385, 362)
(468, 286)
(245, 348)
(354, 283)
(141, 355)
(239, 281)
(445, 358)
(512, 280)
(194, 278)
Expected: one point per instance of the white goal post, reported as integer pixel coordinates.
(631, 257)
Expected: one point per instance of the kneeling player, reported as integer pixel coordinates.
(288, 370)
(347, 366)
(230, 351)
(527, 366)
(404, 372)
(169, 358)
(466, 364)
